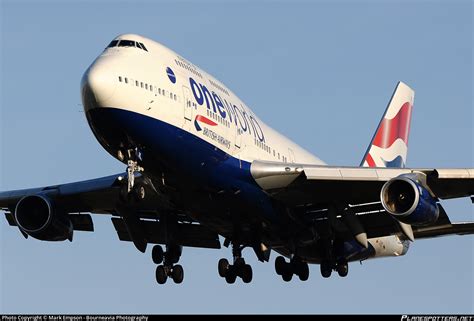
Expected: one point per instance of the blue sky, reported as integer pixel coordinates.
(321, 72)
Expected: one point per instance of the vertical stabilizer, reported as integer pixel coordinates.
(389, 146)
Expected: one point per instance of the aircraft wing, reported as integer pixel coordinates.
(138, 222)
(314, 187)
(379, 223)
(299, 184)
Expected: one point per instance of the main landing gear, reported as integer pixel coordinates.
(168, 269)
(341, 266)
(239, 269)
(295, 266)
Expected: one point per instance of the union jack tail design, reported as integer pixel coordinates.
(389, 146)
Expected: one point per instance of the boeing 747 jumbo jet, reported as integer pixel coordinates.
(200, 164)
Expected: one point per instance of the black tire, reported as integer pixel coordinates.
(139, 192)
(303, 271)
(326, 269)
(287, 275)
(173, 254)
(177, 274)
(230, 276)
(280, 263)
(342, 269)
(247, 273)
(157, 254)
(223, 267)
(124, 195)
(161, 274)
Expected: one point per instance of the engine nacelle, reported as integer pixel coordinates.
(406, 199)
(37, 216)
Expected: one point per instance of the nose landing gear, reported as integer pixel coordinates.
(133, 191)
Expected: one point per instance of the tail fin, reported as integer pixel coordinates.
(389, 146)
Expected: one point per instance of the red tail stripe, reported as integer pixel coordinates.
(205, 120)
(370, 161)
(392, 129)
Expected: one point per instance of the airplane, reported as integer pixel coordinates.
(201, 167)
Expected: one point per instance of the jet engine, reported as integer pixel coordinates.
(408, 200)
(37, 216)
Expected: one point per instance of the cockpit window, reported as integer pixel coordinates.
(113, 43)
(143, 46)
(126, 43)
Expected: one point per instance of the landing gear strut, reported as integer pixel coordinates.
(295, 266)
(168, 268)
(239, 269)
(132, 168)
(331, 246)
(132, 191)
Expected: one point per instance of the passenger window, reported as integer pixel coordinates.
(174, 96)
(141, 84)
(120, 78)
(146, 86)
(126, 80)
(151, 88)
(136, 83)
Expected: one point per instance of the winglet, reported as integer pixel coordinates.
(389, 145)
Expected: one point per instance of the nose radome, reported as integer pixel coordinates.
(99, 82)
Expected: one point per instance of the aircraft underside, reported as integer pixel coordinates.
(236, 208)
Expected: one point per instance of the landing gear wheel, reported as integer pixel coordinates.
(157, 254)
(173, 253)
(342, 269)
(326, 269)
(246, 273)
(302, 270)
(124, 195)
(177, 274)
(287, 275)
(161, 274)
(280, 265)
(223, 267)
(230, 276)
(139, 192)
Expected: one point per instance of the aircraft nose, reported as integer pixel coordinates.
(97, 85)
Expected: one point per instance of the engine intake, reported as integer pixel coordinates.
(37, 216)
(406, 199)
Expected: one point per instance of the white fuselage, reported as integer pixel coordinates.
(138, 81)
